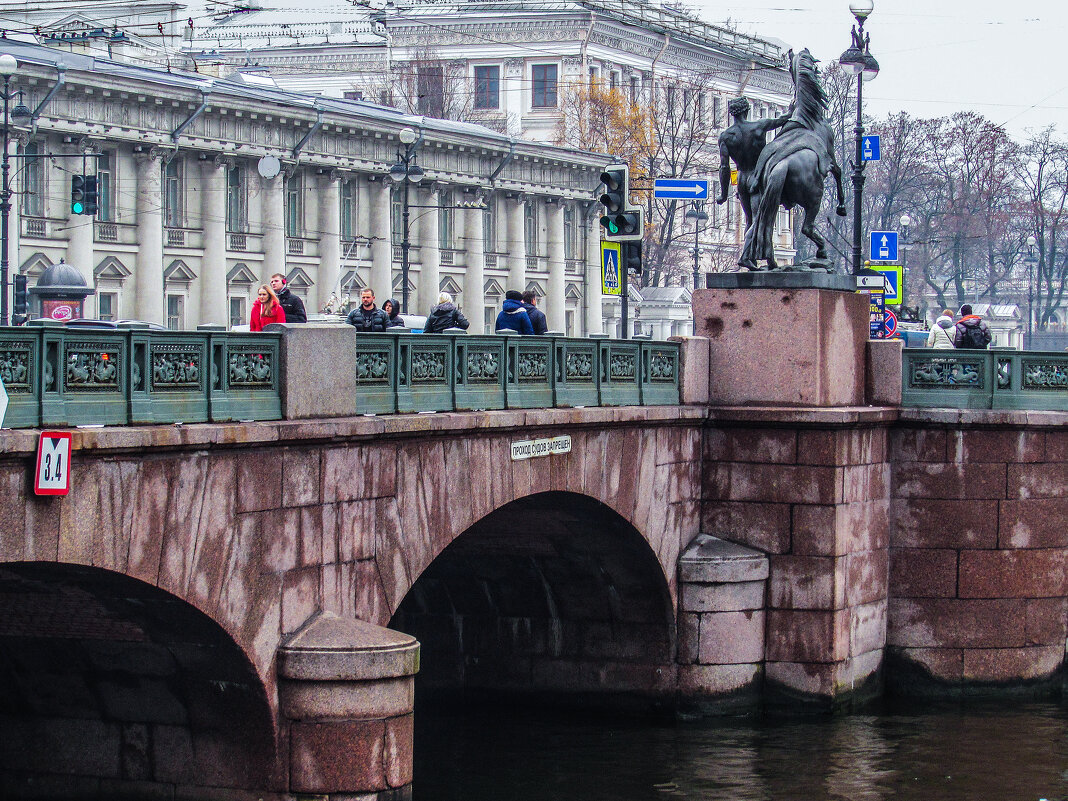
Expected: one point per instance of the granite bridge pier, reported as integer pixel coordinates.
(239, 610)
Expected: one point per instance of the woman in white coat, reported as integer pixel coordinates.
(941, 335)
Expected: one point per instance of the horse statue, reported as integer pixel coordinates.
(792, 169)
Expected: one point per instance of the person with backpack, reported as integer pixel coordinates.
(970, 333)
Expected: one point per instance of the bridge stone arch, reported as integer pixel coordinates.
(109, 685)
(553, 594)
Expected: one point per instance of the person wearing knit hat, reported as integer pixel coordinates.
(513, 317)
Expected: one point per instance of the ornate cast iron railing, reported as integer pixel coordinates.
(416, 373)
(59, 376)
(985, 379)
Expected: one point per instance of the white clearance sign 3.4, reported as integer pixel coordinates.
(531, 448)
(53, 463)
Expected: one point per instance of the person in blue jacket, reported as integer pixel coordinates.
(513, 316)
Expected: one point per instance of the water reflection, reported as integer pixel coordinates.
(1004, 751)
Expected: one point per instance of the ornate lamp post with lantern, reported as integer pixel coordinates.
(864, 66)
(406, 171)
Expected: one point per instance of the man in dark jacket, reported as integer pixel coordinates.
(290, 303)
(444, 315)
(513, 316)
(970, 331)
(367, 316)
(537, 318)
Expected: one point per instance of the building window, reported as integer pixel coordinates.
(237, 312)
(445, 220)
(488, 87)
(569, 324)
(108, 305)
(543, 86)
(236, 200)
(613, 80)
(349, 191)
(530, 214)
(594, 76)
(635, 88)
(355, 94)
(716, 121)
(430, 86)
(489, 226)
(175, 312)
(295, 205)
(32, 181)
(397, 215)
(570, 229)
(105, 187)
(173, 196)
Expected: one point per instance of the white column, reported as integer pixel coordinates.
(517, 243)
(475, 277)
(148, 277)
(14, 231)
(214, 308)
(381, 241)
(429, 252)
(274, 242)
(556, 302)
(329, 237)
(594, 311)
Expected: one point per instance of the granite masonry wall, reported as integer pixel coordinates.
(978, 544)
(810, 489)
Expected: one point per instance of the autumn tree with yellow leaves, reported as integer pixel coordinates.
(667, 132)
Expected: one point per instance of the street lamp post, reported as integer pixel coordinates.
(1031, 242)
(864, 67)
(905, 221)
(698, 215)
(406, 171)
(8, 66)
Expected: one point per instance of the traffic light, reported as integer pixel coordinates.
(615, 200)
(631, 257)
(22, 301)
(92, 195)
(77, 194)
(622, 222)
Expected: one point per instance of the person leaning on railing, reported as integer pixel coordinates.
(444, 315)
(941, 335)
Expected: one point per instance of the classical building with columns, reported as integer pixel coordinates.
(208, 186)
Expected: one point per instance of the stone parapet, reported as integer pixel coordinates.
(318, 370)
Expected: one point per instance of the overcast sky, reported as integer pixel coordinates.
(1005, 59)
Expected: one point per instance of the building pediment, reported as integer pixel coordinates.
(241, 274)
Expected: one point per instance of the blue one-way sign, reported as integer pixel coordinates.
(681, 188)
(883, 246)
(869, 148)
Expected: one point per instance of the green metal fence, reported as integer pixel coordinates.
(58, 376)
(444, 372)
(985, 379)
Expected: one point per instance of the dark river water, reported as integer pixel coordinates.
(1005, 751)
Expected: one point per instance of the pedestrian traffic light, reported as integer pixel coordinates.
(77, 194)
(631, 257)
(22, 300)
(92, 195)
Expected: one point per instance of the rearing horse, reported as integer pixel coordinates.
(793, 167)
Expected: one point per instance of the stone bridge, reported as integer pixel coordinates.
(219, 610)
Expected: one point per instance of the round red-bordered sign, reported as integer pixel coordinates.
(889, 324)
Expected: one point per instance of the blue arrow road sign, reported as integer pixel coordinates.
(681, 188)
(883, 246)
(869, 150)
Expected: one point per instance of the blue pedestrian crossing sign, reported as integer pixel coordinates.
(892, 274)
(869, 148)
(883, 246)
(610, 283)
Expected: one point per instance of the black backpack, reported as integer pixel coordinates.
(974, 338)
